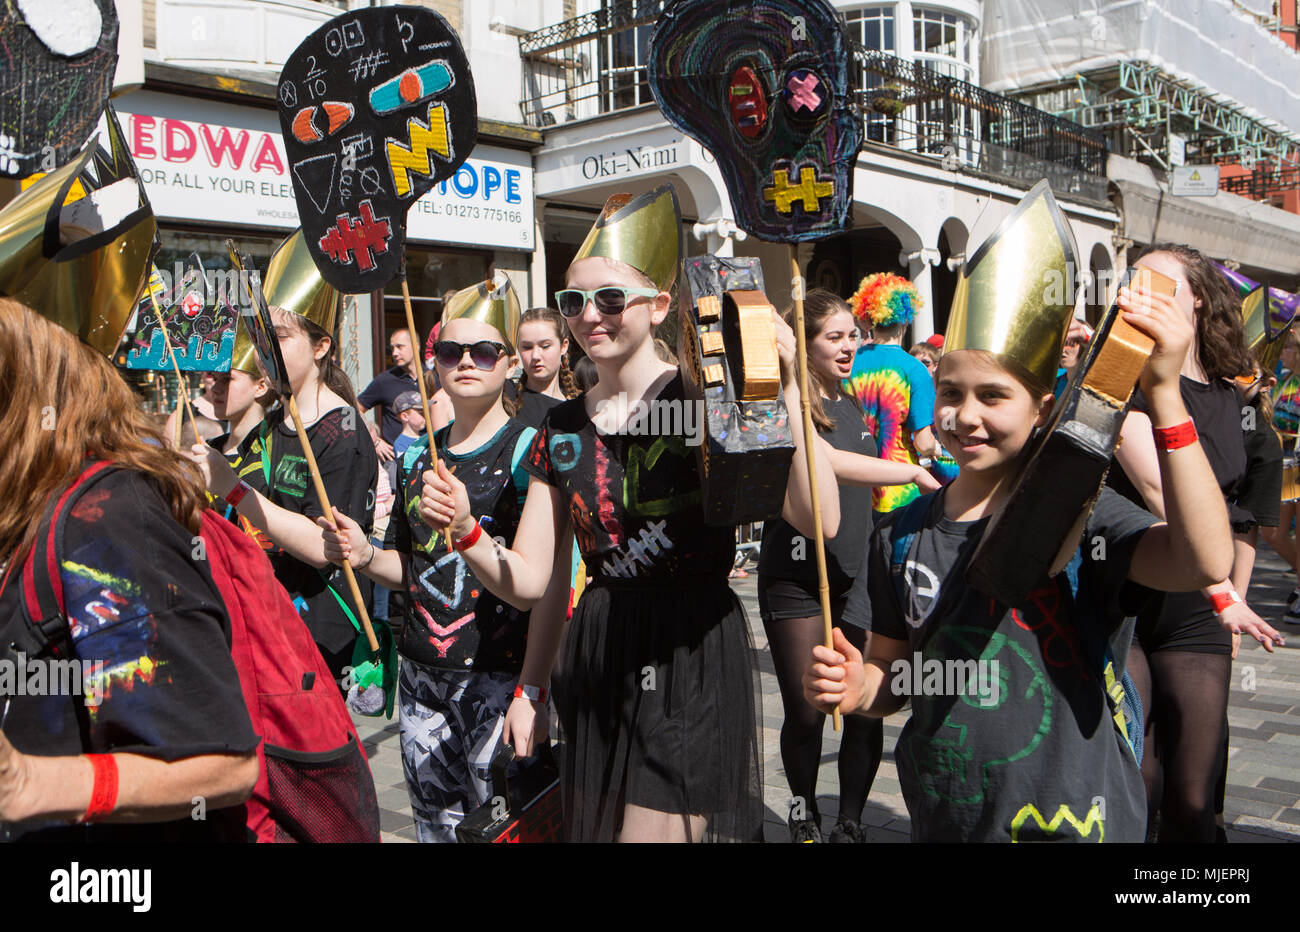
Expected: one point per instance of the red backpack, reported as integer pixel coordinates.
(314, 783)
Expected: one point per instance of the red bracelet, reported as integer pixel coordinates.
(1174, 438)
(1221, 601)
(236, 495)
(469, 540)
(104, 795)
(531, 693)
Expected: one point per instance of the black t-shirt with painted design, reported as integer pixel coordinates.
(634, 500)
(349, 470)
(782, 544)
(1031, 751)
(246, 461)
(452, 621)
(152, 636)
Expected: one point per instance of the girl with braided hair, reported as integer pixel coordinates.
(546, 379)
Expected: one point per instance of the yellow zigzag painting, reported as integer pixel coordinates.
(424, 138)
(1063, 814)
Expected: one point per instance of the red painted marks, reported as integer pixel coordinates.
(340, 114)
(303, 130)
(748, 105)
(409, 87)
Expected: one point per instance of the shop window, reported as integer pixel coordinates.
(430, 275)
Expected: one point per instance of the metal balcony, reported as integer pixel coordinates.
(596, 64)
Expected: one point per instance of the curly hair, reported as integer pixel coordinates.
(1220, 340)
(885, 300)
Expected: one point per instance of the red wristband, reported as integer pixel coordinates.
(531, 693)
(1174, 438)
(1221, 601)
(236, 495)
(469, 540)
(103, 798)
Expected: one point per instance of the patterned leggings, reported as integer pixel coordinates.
(451, 725)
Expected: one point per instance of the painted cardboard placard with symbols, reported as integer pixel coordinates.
(764, 85)
(376, 106)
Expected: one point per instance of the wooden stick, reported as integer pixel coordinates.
(810, 438)
(328, 510)
(181, 387)
(417, 360)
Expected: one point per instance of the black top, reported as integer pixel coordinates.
(137, 601)
(246, 461)
(532, 406)
(786, 554)
(634, 500)
(349, 470)
(1260, 491)
(1216, 410)
(452, 621)
(383, 391)
(1031, 745)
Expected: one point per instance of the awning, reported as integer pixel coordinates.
(1224, 226)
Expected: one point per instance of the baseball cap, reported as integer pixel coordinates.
(406, 401)
(935, 340)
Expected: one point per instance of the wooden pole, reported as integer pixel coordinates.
(809, 438)
(328, 510)
(417, 360)
(180, 379)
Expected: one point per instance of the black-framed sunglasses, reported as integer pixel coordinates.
(609, 300)
(483, 354)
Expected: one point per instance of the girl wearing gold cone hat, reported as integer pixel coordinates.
(462, 646)
(284, 505)
(656, 697)
(1040, 735)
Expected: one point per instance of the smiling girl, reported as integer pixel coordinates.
(1037, 749)
(788, 597)
(657, 699)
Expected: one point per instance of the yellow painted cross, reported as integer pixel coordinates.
(809, 190)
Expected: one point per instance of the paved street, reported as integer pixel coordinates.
(1263, 802)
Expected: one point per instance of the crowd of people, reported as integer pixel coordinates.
(525, 551)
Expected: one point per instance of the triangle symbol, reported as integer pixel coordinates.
(1196, 176)
(315, 175)
(458, 586)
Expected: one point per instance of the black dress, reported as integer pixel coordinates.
(657, 699)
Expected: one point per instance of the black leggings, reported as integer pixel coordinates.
(791, 641)
(1185, 700)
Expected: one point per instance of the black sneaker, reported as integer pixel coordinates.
(805, 832)
(1292, 614)
(847, 833)
(1292, 598)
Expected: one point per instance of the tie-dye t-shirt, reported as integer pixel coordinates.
(896, 393)
(1286, 404)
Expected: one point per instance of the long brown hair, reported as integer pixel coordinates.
(551, 316)
(819, 305)
(331, 373)
(61, 402)
(1220, 340)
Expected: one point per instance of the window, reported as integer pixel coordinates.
(944, 42)
(873, 26)
(624, 51)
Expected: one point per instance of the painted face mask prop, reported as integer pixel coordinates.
(764, 86)
(200, 327)
(59, 60)
(376, 107)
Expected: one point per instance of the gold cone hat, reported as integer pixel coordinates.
(1014, 297)
(294, 283)
(643, 231)
(1264, 327)
(493, 302)
(244, 356)
(81, 264)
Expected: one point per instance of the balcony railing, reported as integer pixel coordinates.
(1262, 185)
(596, 64)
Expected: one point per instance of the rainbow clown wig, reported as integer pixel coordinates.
(884, 300)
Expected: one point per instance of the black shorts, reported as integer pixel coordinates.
(783, 599)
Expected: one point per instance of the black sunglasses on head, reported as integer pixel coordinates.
(483, 354)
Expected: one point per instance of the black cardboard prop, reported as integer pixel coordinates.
(54, 81)
(257, 320)
(376, 107)
(744, 461)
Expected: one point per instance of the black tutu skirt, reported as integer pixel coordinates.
(656, 704)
